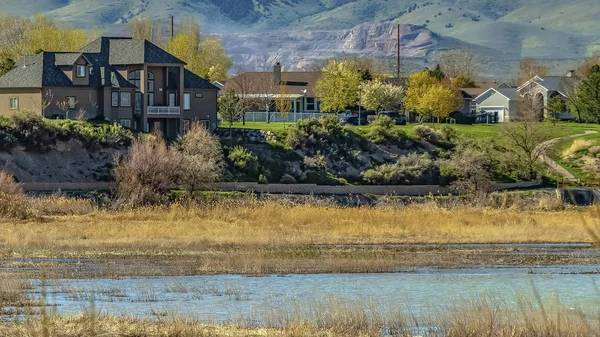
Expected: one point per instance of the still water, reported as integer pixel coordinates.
(229, 297)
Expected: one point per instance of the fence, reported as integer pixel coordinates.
(261, 116)
(403, 190)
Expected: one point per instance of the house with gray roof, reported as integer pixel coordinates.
(542, 89)
(501, 104)
(129, 81)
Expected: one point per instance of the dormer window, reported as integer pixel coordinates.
(80, 71)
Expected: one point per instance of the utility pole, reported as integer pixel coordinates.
(398, 70)
(172, 27)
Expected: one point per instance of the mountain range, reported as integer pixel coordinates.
(298, 32)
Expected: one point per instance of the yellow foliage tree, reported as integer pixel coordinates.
(338, 87)
(439, 100)
(418, 84)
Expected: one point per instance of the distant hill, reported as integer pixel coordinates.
(502, 31)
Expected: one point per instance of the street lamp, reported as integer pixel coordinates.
(360, 105)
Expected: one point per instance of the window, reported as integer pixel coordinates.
(199, 95)
(14, 103)
(80, 71)
(186, 125)
(138, 102)
(187, 104)
(134, 78)
(115, 99)
(171, 99)
(150, 82)
(126, 123)
(310, 103)
(125, 99)
(71, 102)
(151, 99)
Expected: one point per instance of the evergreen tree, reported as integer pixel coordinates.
(589, 95)
(437, 73)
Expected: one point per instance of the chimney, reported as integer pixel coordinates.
(277, 72)
(571, 73)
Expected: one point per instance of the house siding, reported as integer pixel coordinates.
(204, 108)
(29, 99)
(80, 80)
(87, 100)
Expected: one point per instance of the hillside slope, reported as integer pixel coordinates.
(500, 30)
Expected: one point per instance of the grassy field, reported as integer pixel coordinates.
(273, 237)
(574, 164)
(475, 131)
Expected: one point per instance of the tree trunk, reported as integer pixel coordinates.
(243, 118)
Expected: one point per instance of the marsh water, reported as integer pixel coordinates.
(223, 298)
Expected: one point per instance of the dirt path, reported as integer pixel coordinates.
(552, 163)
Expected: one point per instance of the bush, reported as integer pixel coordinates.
(13, 203)
(448, 133)
(383, 129)
(317, 162)
(579, 145)
(262, 179)
(408, 169)
(39, 134)
(288, 179)
(312, 132)
(594, 150)
(243, 159)
(427, 133)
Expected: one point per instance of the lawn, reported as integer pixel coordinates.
(475, 131)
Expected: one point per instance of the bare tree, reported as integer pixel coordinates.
(459, 62)
(267, 88)
(528, 138)
(66, 105)
(45, 102)
(202, 159)
(142, 28)
(282, 103)
(245, 87)
(529, 68)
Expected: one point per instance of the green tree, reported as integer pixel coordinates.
(378, 96)
(6, 63)
(463, 81)
(589, 95)
(556, 105)
(437, 73)
(229, 110)
(338, 86)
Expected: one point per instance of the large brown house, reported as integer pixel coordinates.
(129, 81)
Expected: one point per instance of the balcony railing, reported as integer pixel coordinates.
(164, 110)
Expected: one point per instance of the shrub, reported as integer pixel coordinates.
(8, 185)
(383, 129)
(448, 133)
(317, 162)
(427, 133)
(591, 165)
(146, 174)
(310, 132)
(579, 145)
(243, 159)
(594, 150)
(408, 169)
(13, 203)
(287, 179)
(262, 179)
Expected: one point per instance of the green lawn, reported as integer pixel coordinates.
(476, 131)
(574, 165)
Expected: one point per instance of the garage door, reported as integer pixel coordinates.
(498, 112)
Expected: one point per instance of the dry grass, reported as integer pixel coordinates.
(577, 146)
(273, 224)
(336, 318)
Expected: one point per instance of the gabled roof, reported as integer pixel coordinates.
(508, 93)
(68, 59)
(550, 83)
(35, 71)
(133, 51)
